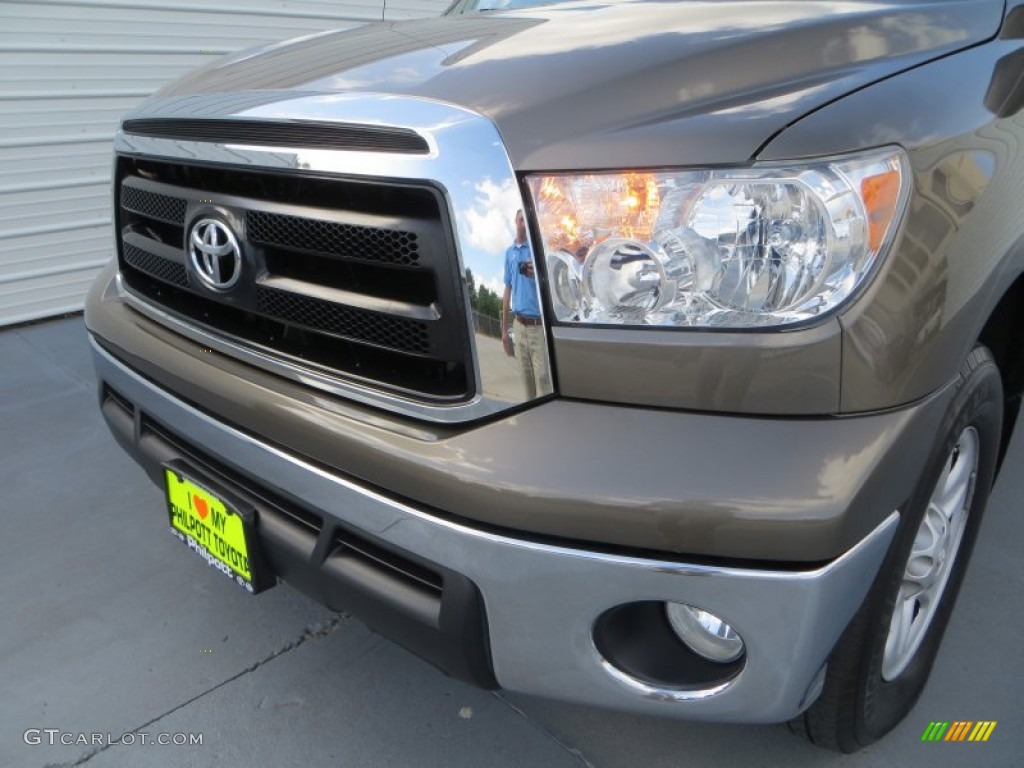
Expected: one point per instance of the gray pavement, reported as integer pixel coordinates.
(109, 626)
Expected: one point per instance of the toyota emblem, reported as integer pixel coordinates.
(214, 253)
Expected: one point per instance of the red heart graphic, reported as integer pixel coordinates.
(201, 506)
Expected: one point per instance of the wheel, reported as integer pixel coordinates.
(880, 665)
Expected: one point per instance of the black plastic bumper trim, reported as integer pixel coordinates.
(434, 612)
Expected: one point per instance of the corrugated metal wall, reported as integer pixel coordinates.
(68, 70)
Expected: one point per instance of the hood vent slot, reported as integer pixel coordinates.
(297, 135)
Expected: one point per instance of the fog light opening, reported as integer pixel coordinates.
(704, 633)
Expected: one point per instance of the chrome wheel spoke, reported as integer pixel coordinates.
(902, 625)
(954, 494)
(942, 487)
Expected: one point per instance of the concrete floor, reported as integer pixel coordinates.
(110, 626)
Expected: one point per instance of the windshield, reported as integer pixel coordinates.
(472, 6)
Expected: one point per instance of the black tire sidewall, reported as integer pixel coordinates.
(882, 704)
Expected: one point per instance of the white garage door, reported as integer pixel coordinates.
(68, 70)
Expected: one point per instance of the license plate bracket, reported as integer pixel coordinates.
(216, 524)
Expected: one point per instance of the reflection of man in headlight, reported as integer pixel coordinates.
(521, 297)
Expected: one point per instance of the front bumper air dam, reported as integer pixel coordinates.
(542, 601)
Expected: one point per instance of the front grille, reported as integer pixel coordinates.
(151, 264)
(170, 210)
(354, 242)
(351, 278)
(393, 332)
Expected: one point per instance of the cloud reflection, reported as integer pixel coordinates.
(489, 227)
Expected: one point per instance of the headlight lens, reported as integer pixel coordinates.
(762, 246)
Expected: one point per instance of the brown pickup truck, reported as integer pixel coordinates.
(657, 356)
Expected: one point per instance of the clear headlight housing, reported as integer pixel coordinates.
(770, 245)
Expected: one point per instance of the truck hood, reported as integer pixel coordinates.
(628, 84)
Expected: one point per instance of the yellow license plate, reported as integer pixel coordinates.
(210, 527)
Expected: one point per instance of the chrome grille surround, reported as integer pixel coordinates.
(480, 195)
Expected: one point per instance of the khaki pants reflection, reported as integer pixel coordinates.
(533, 362)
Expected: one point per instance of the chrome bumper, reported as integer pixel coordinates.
(542, 601)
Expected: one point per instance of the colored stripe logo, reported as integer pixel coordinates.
(959, 730)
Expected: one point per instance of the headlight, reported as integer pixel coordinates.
(763, 246)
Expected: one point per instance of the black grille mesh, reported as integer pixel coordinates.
(153, 204)
(155, 266)
(390, 246)
(361, 325)
(334, 239)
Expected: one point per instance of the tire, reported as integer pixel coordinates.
(880, 665)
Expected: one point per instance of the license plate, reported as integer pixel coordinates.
(220, 531)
